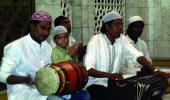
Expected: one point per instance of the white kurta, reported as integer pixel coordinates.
(141, 46)
(98, 56)
(129, 66)
(24, 57)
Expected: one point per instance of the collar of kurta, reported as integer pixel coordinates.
(61, 49)
(131, 41)
(33, 42)
(108, 41)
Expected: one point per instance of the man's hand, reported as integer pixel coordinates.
(28, 80)
(115, 76)
(163, 74)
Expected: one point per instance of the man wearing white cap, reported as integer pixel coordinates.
(134, 31)
(105, 54)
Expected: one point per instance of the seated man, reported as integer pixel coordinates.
(134, 31)
(105, 54)
(24, 57)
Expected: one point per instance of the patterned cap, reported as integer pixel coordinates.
(41, 16)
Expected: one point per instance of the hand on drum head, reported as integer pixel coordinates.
(28, 80)
(115, 76)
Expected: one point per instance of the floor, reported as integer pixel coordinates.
(3, 95)
(166, 97)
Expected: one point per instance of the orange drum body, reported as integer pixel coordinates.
(71, 76)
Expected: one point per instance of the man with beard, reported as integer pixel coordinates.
(24, 57)
(105, 54)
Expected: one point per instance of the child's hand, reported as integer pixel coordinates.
(72, 50)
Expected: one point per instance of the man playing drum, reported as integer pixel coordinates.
(24, 57)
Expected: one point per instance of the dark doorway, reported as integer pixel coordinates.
(14, 15)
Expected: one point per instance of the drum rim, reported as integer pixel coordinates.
(62, 78)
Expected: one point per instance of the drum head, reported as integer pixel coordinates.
(47, 81)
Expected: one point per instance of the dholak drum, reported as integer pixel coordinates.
(61, 78)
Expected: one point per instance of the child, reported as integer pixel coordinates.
(62, 52)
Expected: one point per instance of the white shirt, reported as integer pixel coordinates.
(98, 56)
(141, 46)
(24, 57)
(129, 66)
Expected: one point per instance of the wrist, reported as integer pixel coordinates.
(107, 75)
(28, 80)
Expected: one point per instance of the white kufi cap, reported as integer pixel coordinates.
(59, 29)
(111, 16)
(134, 19)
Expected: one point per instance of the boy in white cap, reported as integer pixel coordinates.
(75, 45)
(105, 54)
(134, 31)
(62, 52)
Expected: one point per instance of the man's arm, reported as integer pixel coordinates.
(99, 74)
(143, 61)
(12, 79)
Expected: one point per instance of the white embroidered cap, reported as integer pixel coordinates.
(134, 19)
(111, 16)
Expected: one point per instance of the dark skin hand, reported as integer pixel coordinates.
(12, 79)
(142, 60)
(116, 76)
(99, 74)
(72, 51)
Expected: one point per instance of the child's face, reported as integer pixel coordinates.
(62, 40)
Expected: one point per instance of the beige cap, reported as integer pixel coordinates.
(134, 19)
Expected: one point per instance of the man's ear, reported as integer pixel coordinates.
(107, 27)
(32, 27)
